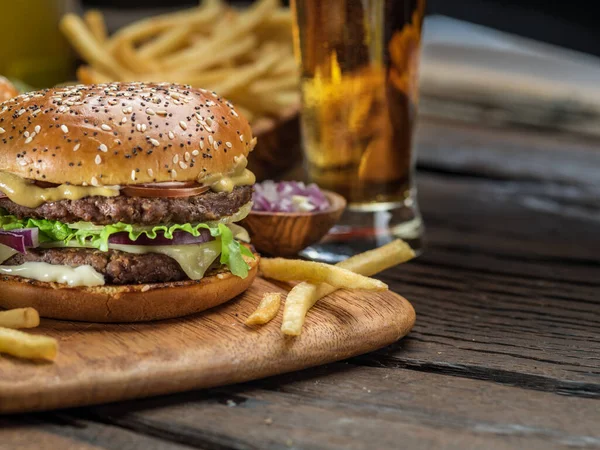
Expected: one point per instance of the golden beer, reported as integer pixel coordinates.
(359, 77)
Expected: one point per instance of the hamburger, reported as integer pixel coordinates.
(120, 202)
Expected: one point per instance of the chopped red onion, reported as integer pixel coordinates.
(288, 196)
(20, 239)
(179, 238)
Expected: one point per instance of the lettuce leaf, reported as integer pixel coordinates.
(232, 251)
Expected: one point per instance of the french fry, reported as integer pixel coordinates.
(133, 61)
(295, 269)
(94, 19)
(30, 346)
(266, 310)
(304, 295)
(169, 41)
(19, 318)
(89, 48)
(201, 16)
(205, 56)
(245, 75)
(265, 86)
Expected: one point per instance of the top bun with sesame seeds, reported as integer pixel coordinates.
(7, 89)
(122, 134)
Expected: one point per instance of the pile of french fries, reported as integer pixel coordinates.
(244, 55)
(319, 280)
(23, 345)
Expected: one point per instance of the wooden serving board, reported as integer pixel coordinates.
(101, 363)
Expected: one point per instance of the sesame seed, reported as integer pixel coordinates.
(94, 181)
(154, 142)
(202, 145)
(228, 144)
(26, 134)
(174, 95)
(138, 127)
(211, 140)
(150, 172)
(106, 127)
(2, 130)
(98, 160)
(103, 148)
(195, 153)
(241, 138)
(173, 173)
(187, 156)
(161, 113)
(171, 135)
(21, 112)
(183, 125)
(64, 129)
(144, 127)
(124, 119)
(146, 288)
(22, 162)
(37, 129)
(175, 159)
(183, 165)
(28, 140)
(133, 175)
(150, 111)
(215, 145)
(76, 147)
(234, 113)
(36, 112)
(209, 121)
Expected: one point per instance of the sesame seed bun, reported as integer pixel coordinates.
(121, 134)
(132, 303)
(7, 90)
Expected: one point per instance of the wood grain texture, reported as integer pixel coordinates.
(345, 406)
(101, 363)
(59, 431)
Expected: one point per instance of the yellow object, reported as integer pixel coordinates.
(34, 50)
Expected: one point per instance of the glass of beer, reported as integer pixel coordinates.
(359, 64)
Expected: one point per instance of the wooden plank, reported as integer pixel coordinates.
(344, 406)
(503, 292)
(52, 432)
(100, 363)
(458, 148)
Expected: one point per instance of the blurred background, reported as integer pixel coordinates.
(530, 63)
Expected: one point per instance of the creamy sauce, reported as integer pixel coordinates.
(72, 276)
(25, 193)
(225, 182)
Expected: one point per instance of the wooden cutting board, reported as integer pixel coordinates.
(101, 363)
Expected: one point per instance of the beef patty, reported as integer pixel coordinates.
(138, 210)
(116, 266)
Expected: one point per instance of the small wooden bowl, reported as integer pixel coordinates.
(287, 233)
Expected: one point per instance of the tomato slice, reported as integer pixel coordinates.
(165, 190)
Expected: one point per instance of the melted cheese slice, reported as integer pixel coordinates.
(51, 273)
(194, 259)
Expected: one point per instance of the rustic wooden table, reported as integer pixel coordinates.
(505, 352)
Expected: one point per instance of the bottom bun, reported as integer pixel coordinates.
(129, 303)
